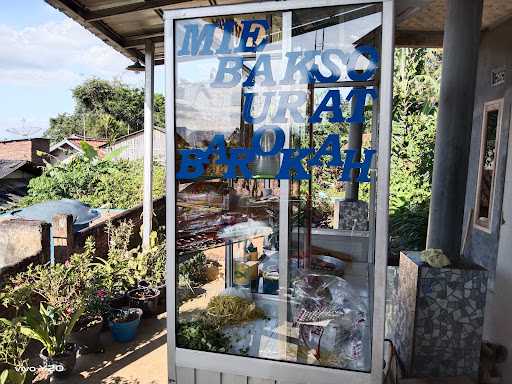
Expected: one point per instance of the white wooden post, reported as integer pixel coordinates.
(149, 89)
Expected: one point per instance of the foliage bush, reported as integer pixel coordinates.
(65, 287)
(13, 344)
(201, 336)
(415, 105)
(194, 271)
(98, 183)
(151, 262)
(117, 270)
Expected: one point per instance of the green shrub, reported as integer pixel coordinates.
(98, 183)
(194, 271)
(201, 336)
(13, 361)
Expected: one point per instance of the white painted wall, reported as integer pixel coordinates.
(498, 327)
(133, 146)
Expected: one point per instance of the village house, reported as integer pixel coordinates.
(69, 147)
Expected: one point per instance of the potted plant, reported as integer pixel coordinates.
(116, 272)
(12, 354)
(124, 324)
(145, 299)
(150, 269)
(52, 328)
(87, 330)
(63, 286)
(194, 271)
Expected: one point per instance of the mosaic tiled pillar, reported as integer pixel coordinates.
(351, 215)
(440, 318)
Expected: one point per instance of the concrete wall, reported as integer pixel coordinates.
(492, 250)
(22, 242)
(99, 234)
(495, 53)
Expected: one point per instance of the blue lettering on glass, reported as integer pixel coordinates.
(364, 167)
(301, 68)
(358, 111)
(237, 160)
(230, 67)
(372, 60)
(192, 163)
(292, 161)
(263, 61)
(297, 62)
(278, 144)
(334, 98)
(193, 40)
(330, 147)
(261, 27)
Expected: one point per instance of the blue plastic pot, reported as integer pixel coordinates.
(126, 331)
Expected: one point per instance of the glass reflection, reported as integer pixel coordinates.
(269, 267)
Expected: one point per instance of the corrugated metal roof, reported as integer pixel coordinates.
(9, 166)
(136, 133)
(126, 24)
(11, 193)
(74, 142)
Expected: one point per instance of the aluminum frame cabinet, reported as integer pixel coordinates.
(189, 366)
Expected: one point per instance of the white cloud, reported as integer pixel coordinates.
(65, 52)
(37, 77)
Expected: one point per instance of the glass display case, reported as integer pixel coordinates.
(277, 188)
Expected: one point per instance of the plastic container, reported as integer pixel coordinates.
(145, 299)
(126, 331)
(270, 279)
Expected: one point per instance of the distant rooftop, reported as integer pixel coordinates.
(9, 166)
(75, 140)
(24, 139)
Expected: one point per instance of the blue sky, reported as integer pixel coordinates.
(44, 55)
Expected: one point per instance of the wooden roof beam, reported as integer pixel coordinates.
(129, 8)
(140, 41)
(419, 39)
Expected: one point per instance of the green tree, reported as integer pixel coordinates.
(417, 75)
(415, 105)
(106, 109)
(63, 125)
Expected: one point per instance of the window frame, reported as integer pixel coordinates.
(490, 106)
